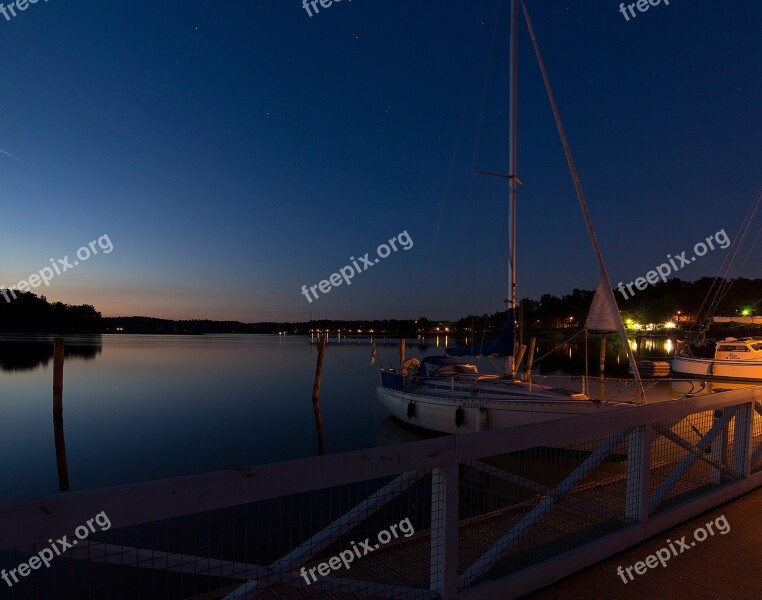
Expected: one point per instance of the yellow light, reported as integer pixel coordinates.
(669, 325)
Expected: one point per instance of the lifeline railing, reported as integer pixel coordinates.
(491, 514)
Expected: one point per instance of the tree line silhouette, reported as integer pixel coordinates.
(656, 304)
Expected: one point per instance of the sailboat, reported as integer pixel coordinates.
(441, 393)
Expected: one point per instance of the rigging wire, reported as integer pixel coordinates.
(448, 182)
(581, 196)
(722, 279)
(471, 193)
(756, 206)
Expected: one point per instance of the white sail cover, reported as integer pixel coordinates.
(746, 320)
(603, 315)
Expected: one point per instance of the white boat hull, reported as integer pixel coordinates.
(718, 369)
(466, 405)
(439, 413)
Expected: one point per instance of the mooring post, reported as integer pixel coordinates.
(58, 431)
(402, 352)
(530, 359)
(58, 363)
(519, 358)
(316, 395)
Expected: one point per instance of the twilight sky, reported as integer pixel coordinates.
(233, 152)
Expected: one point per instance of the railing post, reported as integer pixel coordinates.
(444, 530)
(742, 436)
(638, 472)
(719, 450)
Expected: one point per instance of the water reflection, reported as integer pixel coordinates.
(28, 354)
(556, 358)
(62, 466)
(656, 347)
(155, 406)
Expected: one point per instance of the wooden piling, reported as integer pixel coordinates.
(58, 364)
(58, 430)
(530, 359)
(519, 358)
(402, 352)
(316, 395)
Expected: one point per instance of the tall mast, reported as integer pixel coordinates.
(513, 122)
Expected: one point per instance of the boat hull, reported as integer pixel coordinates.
(458, 415)
(750, 370)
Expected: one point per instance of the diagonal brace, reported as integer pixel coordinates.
(683, 467)
(539, 512)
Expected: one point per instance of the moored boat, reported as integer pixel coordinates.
(443, 394)
(734, 358)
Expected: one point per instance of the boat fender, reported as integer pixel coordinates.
(410, 410)
(458, 417)
(483, 422)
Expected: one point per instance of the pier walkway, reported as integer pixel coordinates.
(496, 514)
(723, 567)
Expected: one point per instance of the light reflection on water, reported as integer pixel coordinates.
(654, 346)
(139, 407)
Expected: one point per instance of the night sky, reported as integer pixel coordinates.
(236, 151)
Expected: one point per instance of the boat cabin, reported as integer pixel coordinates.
(749, 348)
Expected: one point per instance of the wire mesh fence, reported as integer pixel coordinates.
(430, 519)
(330, 541)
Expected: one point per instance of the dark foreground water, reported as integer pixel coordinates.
(139, 407)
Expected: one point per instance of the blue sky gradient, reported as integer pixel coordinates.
(234, 152)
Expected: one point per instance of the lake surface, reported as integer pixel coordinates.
(144, 407)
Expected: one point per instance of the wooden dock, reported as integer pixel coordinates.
(496, 513)
(724, 567)
(406, 562)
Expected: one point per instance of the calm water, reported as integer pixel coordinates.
(138, 407)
